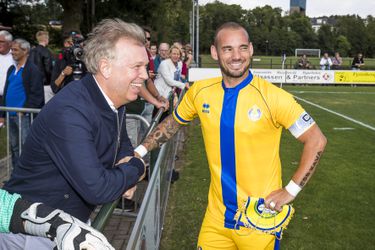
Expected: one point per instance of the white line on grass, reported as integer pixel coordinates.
(343, 128)
(335, 113)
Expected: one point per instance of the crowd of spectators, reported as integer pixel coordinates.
(330, 63)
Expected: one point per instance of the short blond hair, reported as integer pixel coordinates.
(175, 47)
(41, 34)
(102, 40)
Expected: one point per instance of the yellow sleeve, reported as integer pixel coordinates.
(186, 111)
(288, 111)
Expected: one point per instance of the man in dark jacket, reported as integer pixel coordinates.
(78, 154)
(42, 57)
(23, 89)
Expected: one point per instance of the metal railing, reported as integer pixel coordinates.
(19, 113)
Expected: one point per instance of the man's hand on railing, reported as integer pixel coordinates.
(129, 193)
(128, 158)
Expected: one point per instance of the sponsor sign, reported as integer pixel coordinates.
(295, 76)
(363, 77)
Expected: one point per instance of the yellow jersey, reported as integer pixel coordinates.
(241, 127)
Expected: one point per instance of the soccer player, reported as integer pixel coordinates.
(242, 118)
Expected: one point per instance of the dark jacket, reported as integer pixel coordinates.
(67, 161)
(32, 83)
(42, 58)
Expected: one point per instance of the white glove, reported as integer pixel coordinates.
(66, 231)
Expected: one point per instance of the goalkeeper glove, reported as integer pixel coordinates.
(66, 231)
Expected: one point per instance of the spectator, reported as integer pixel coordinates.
(162, 55)
(153, 51)
(170, 73)
(186, 59)
(337, 61)
(42, 58)
(62, 72)
(78, 154)
(189, 55)
(20, 216)
(303, 63)
(358, 62)
(151, 66)
(23, 89)
(325, 62)
(6, 59)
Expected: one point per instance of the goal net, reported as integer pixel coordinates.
(307, 52)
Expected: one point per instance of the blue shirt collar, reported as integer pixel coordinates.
(240, 86)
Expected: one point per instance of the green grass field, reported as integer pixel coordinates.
(336, 208)
(274, 62)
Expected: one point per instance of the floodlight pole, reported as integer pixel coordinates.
(194, 35)
(197, 37)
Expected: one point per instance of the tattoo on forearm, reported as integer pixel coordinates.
(162, 133)
(312, 168)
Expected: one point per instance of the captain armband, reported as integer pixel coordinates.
(303, 123)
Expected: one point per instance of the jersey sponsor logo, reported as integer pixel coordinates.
(206, 108)
(254, 113)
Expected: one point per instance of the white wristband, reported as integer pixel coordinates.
(292, 188)
(141, 150)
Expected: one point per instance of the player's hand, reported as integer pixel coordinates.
(66, 231)
(276, 199)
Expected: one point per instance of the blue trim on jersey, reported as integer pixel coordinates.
(277, 240)
(227, 150)
(179, 117)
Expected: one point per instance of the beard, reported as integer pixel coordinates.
(233, 73)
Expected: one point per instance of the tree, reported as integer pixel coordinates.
(72, 17)
(353, 28)
(326, 38)
(342, 45)
(212, 15)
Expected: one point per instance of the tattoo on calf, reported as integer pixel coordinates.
(162, 133)
(312, 168)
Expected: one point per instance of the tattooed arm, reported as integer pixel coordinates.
(314, 143)
(161, 134)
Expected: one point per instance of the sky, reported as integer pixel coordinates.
(314, 8)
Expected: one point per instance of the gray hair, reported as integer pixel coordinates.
(25, 45)
(103, 38)
(7, 36)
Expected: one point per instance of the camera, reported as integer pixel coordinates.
(73, 55)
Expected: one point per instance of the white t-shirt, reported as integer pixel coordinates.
(165, 80)
(5, 62)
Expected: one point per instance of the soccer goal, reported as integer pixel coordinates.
(307, 52)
